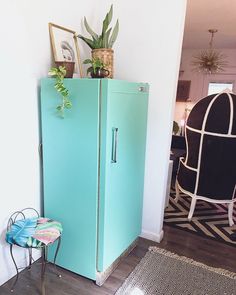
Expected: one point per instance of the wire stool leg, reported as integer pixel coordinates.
(30, 258)
(55, 257)
(43, 268)
(17, 271)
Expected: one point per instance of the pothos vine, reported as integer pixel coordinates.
(59, 73)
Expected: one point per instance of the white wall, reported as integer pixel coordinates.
(199, 82)
(148, 49)
(25, 58)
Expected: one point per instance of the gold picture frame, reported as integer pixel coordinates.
(65, 46)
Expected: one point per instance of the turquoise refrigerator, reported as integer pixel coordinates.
(93, 169)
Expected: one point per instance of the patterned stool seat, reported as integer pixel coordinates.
(34, 232)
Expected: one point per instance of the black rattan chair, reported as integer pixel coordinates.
(208, 172)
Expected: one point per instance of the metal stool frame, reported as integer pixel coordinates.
(13, 218)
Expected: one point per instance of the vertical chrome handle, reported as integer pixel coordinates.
(114, 144)
(40, 149)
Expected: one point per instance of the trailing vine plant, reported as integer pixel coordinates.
(59, 73)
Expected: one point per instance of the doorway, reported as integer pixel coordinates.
(210, 221)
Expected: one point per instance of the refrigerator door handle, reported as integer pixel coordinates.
(40, 149)
(114, 145)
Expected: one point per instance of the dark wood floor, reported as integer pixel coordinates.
(204, 250)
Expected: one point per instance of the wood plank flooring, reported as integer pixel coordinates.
(204, 250)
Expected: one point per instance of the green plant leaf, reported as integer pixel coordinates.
(114, 35)
(89, 70)
(53, 72)
(89, 30)
(64, 93)
(87, 61)
(59, 74)
(106, 38)
(105, 25)
(107, 20)
(89, 42)
(62, 70)
(110, 14)
(98, 42)
(68, 104)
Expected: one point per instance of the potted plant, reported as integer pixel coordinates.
(97, 68)
(60, 73)
(101, 45)
(68, 65)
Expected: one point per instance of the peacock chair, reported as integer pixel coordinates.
(208, 172)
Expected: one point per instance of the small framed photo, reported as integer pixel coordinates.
(183, 90)
(65, 46)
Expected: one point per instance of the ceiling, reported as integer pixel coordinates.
(210, 14)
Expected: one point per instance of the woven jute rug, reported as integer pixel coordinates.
(161, 272)
(209, 220)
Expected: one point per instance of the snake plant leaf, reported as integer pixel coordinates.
(89, 30)
(97, 43)
(21, 230)
(89, 42)
(106, 38)
(110, 14)
(107, 20)
(114, 35)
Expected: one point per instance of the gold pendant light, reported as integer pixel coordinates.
(209, 61)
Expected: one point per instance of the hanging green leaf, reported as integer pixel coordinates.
(59, 74)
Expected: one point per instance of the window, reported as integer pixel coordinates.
(216, 87)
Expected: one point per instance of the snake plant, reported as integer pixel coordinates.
(108, 36)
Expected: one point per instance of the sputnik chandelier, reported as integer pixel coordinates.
(209, 61)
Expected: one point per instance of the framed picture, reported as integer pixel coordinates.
(183, 90)
(65, 46)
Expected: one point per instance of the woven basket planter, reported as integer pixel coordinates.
(106, 56)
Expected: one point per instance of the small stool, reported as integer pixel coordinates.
(33, 233)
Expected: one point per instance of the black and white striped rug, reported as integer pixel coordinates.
(209, 220)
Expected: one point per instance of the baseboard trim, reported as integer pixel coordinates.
(102, 276)
(152, 236)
